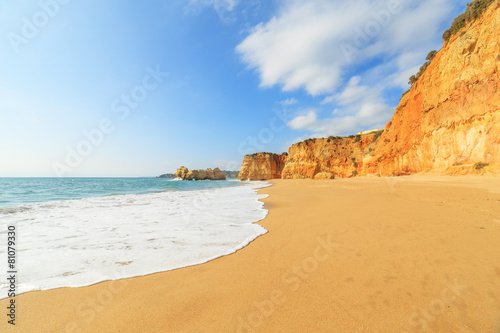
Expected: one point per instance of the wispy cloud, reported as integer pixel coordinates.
(360, 107)
(289, 101)
(223, 8)
(310, 44)
(327, 47)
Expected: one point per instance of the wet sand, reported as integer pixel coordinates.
(407, 254)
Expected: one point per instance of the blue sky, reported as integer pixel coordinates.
(139, 88)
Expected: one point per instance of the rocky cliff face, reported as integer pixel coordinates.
(262, 166)
(181, 172)
(208, 174)
(450, 119)
(327, 158)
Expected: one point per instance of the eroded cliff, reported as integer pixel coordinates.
(450, 119)
(327, 158)
(262, 166)
(448, 122)
(207, 174)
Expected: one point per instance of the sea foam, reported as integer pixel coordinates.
(77, 243)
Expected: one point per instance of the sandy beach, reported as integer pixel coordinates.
(407, 254)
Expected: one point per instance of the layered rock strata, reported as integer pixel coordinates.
(451, 116)
(207, 174)
(449, 121)
(262, 166)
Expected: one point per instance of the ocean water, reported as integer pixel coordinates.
(73, 232)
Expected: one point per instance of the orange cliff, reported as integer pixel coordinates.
(327, 158)
(448, 122)
(262, 166)
(450, 119)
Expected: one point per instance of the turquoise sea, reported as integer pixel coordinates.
(20, 191)
(97, 229)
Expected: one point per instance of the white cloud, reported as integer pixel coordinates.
(294, 49)
(362, 108)
(370, 116)
(311, 44)
(227, 5)
(353, 92)
(223, 8)
(289, 101)
(327, 47)
(304, 122)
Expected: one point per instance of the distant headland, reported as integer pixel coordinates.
(199, 174)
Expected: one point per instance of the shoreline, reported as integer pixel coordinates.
(265, 206)
(115, 237)
(348, 255)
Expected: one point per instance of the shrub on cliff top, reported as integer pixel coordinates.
(265, 153)
(423, 68)
(329, 139)
(412, 80)
(377, 135)
(473, 11)
(332, 138)
(431, 55)
(480, 165)
(429, 58)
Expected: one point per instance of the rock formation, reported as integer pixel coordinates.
(207, 174)
(262, 166)
(181, 172)
(448, 122)
(316, 158)
(451, 116)
(324, 175)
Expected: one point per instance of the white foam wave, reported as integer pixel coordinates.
(81, 242)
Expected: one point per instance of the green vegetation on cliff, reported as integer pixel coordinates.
(334, 139)
(429, 58)
(473, 11)
(377, 135)
(267, 153)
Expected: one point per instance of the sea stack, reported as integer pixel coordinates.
(207, 174)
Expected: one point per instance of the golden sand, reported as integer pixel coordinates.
(408, 254)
